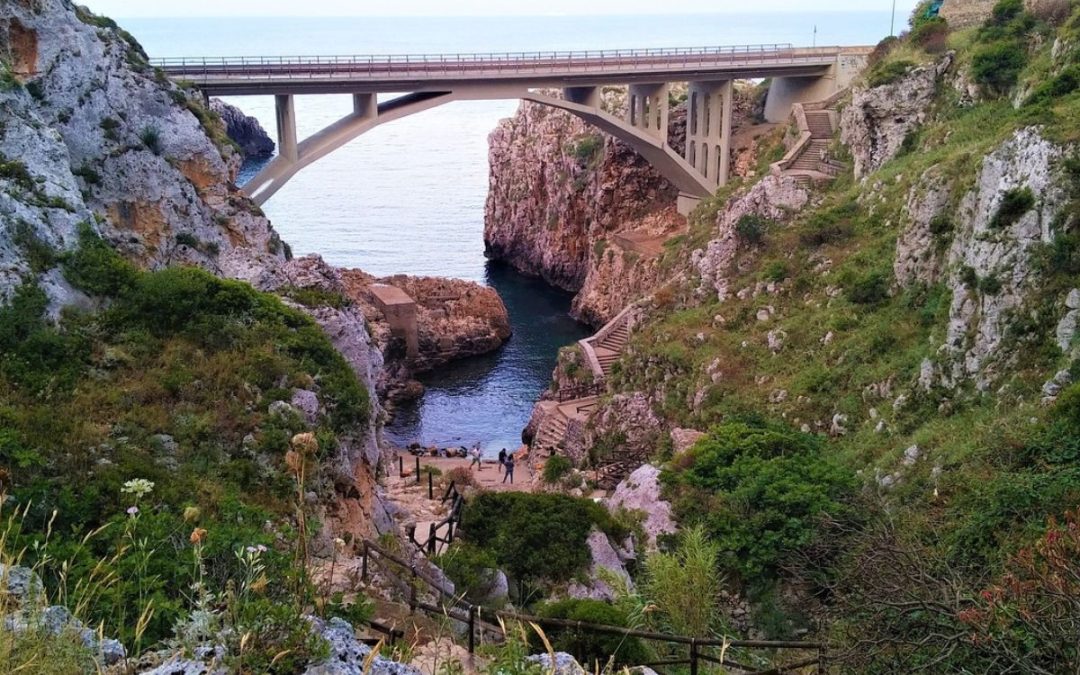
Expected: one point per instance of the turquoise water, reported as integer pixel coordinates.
(409, 197)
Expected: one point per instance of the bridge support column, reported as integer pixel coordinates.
(708, 129)
(286, 127)
(589, 96)
(365, 106)
(647, 109)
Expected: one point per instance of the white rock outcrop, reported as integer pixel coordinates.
(878, 120)
(641, 492)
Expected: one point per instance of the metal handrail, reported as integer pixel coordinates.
(306, 67)
(480, 56)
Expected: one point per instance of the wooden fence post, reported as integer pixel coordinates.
(693, 657)
(431, 542)
(363, 565)
(418, 469)
(472, 629)
(412, 591)
(823, 660)
(430, 484)
(401, 466)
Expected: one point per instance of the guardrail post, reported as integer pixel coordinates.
(693, 656)
(472, 629)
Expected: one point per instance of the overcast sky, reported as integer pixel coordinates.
(171, 8)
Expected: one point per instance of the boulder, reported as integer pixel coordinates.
(347, 654)
(641, 492)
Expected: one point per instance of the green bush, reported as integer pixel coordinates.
(151, 139)
(1014, 204)
(595, 651)
(869, 289)
(760, 490)
(931, 35)
(467, 566)
(39, 254)
(96, 268)
(556, 468)
(751, 229)
(587, 148)
(535, 536)
(16, 172)
(888, 72)
(777, 271)
(997, 65)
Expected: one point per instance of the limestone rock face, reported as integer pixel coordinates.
(773, 198)
(923, 244)
(96, 138)
(979, 320)
(641, 492)
(559, 186)
(244, 130)
(347, 654)
(879, 119)
(604, 556)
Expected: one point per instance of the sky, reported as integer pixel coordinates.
(199, 8)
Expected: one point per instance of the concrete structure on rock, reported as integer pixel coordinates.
(428, 81)
(400, 312)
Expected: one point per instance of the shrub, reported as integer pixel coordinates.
(555, 468)
(535, 536)
(16, 172)
(870, 289)
(1062, 84)
(776, 270)
(882, 50)
(889, 72)
(829, 226)
(932, 35)
(751, 229)
(316, 297)
(151, 139)
(942, 226)
(990, 285)
(1014, 204)
(96, 268)
(760, 490)
(682, 585)
(110, 126)
(468, 567)
(595, 651)
(587, 148)
(39, 254)
(996, 66)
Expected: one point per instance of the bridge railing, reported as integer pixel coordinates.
(542, 61)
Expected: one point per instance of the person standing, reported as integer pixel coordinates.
(502, 460)
(476, 458)
(508, 467)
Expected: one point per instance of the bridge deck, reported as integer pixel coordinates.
(433, 72)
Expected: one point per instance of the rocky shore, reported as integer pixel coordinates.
(244, 130)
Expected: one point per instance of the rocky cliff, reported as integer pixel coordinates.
(244, 130)
(93, 137)
(584, 211)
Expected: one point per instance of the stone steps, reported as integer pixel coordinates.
(820, 124)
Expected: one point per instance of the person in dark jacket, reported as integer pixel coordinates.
(509, 466)
(502, 460)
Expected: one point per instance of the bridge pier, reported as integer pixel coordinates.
(288, 147)
(365, 106)
(647, 109)
(708, 129)
(588, 96)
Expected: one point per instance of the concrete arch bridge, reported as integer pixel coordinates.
(423, 82)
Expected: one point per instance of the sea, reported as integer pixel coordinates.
(408, 197)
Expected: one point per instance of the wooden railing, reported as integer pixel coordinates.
(699, 650)
(442, 532)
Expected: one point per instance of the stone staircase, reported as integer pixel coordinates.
(808, 160)
(552, 431)
(610, 348)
